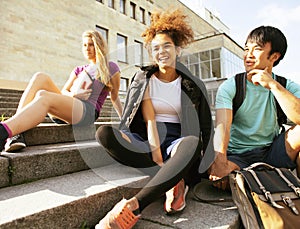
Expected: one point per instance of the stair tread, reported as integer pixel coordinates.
(28, 199)
(43, 161)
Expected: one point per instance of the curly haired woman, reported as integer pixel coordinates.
(76, 103)
(166, 124)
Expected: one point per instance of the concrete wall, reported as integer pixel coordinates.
(45, 35)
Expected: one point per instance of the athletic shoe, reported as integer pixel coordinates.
(15, 143)
(175, 198)
(119, 217)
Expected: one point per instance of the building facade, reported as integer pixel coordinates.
(43, 35)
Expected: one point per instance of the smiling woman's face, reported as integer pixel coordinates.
(164, 51)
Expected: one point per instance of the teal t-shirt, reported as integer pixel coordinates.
(255, 123)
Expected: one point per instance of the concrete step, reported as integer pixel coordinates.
(196, 215)
(83, 198)
(4, 91)
(51, 133)
(9, 98)
(9, 104)
(43, 161)
(68, 201)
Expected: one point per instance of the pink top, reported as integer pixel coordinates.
(98, 95)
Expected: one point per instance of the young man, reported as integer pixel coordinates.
(252, 134)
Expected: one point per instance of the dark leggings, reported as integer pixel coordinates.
(163, 178)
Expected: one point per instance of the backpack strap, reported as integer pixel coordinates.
(240, 84)
(240, 94)
(281, 117)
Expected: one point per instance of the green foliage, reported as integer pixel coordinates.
(84, 225)
(3, 118)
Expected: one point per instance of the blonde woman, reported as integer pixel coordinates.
(78, 103)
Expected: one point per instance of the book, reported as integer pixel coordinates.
(85, 79)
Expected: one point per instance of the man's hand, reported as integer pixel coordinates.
(261, 77)
(221, 168)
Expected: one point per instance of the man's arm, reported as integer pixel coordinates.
(221, 166)
(289, 103)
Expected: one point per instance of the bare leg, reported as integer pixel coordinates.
(64, 107)
(292, 144)
(39, 81)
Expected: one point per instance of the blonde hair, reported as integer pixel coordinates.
(101, 50)
(172, 23)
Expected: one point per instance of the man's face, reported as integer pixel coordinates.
(257, 56)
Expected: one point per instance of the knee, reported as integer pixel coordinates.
(193, 141)
(188, 146)
(41, 94)
(43, 97)
(39, 77)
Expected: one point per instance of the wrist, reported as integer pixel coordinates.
(274, 85)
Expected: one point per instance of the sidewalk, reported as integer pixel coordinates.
(196, 215)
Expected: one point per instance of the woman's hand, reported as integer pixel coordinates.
(83, 94)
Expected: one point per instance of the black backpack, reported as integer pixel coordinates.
(240, 82)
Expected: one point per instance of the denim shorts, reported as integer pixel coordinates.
(169, 135)
(90, 114)
(275, 155)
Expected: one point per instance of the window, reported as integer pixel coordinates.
(111, 3)
(215, 63)
(101, 1)
(231, 63)
(123, 84)
(142, 15)
(149, 18)
(138, 53)
(122, 6)
(132, 10)
(122, 48)
(103, 31)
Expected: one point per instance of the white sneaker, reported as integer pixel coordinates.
(15, 143)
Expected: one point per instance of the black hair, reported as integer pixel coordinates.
(263, 34)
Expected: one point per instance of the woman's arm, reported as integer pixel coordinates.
(149, 117)
(114, 94)
(66, 90)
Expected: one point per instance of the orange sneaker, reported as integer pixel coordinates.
(175, 198)
(120, 217)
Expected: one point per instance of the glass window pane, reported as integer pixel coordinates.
(103, 31)
(142, 15)
(122, 46)
(205, 70)
(111, 3)
(122, 6)
(138, 53)
(132, 10)
(204, 56)
(215, 53)
(193, 58)
(216, 68)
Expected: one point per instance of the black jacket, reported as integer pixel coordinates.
(196, 115)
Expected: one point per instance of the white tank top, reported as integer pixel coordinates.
(166, 99)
